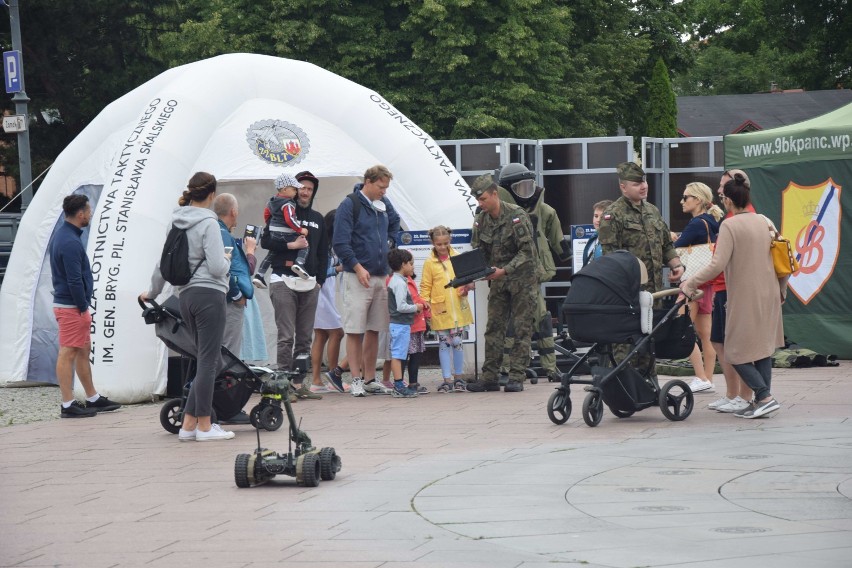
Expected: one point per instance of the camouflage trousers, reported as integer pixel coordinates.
(546, 342)
(508, 299)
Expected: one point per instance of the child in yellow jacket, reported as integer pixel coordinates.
(450, 309)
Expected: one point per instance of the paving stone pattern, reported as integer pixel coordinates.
(455, 480)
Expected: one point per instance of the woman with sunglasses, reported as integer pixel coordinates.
(697, 201)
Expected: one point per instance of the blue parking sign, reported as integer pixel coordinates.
(12, 70)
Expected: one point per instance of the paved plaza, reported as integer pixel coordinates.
(447, 481)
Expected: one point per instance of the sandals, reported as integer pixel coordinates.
(457, 385)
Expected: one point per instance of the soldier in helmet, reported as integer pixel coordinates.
(504, 234)
(634, 225)
(517, 185)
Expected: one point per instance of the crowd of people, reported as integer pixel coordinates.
(340, 276)
(740, 291)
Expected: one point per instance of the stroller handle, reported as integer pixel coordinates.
(150, 301)
(674, 292)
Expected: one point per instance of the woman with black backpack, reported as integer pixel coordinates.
(195, 261)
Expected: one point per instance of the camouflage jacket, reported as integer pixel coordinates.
(507, 242)
(639, 229)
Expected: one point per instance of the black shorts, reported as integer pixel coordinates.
(717, 331)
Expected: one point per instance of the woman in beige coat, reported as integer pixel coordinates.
(754, 328)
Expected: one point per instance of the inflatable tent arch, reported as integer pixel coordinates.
(239, 117)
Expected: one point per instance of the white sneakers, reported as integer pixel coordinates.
(738, 403)
(698, 385)
(357, 387)
(717, 403)
(187, 435)
(376, 387)
(196, 435)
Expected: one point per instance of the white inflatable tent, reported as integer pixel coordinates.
(246, 119)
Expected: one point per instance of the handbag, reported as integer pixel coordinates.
(675, 339)
(781, 250)
(696, 257)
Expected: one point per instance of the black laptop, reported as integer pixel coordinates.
(468, 267)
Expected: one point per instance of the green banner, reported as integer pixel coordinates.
(811, 204)
(824, 138)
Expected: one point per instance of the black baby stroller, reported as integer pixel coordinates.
(234, 385)
(605, 306)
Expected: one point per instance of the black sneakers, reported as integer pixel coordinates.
(77, 410)
(103, 404)
(300, 271)
(259, 282)
(483, 386)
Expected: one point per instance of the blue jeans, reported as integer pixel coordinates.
(758, 377)
(451, 352)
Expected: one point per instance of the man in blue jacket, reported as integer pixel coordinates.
(72, 293)
(364, 225)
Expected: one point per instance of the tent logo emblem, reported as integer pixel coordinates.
(277, 142)
(810, 218)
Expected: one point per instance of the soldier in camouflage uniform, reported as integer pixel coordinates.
(634, 225)
(517, 186)
(504, 234)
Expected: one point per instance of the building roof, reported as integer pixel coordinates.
(728, 114)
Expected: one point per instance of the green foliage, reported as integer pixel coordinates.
(661, 115)
(753, 43)
(459, 68)
(78, 57)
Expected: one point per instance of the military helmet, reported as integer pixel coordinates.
(511, 176)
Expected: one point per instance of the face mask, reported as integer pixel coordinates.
(379, 205)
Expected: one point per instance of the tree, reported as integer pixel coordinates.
(753, 43)
(78, 57)
(661, 114)
(459, 68)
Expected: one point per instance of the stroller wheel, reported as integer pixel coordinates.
(559, 406)
(676, 400)
(271, 418)
(171, 415)
(593, 409)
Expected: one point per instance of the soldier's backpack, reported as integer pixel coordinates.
(174, 262)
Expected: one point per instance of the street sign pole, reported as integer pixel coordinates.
(21, 99)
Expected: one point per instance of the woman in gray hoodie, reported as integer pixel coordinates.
(202, 302)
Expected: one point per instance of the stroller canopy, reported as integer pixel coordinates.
(612, 279)
(602, 304)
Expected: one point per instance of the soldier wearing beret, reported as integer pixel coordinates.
(634, 225)
(504, 234)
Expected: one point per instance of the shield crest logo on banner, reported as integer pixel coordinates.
(810, 218)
